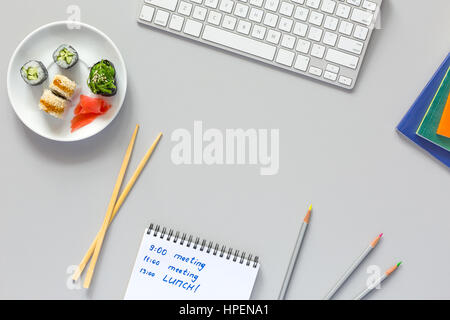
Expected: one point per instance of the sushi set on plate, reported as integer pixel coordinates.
(67, 81)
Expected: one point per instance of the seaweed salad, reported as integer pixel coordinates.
(102, 79)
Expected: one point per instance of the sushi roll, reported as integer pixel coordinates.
(63, 87)
(65, 56)
(52, 104)
(102, 79)
(34, 73)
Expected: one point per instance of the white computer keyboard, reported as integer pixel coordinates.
(322, 39)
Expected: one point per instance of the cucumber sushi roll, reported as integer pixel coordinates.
(102, 79)
(34, 73)
(65, 56)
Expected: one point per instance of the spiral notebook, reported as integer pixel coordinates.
(173, 266)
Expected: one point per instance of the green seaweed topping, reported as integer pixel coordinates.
(102, 78)
(66, 55)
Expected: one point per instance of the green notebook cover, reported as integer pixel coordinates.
(430, 122)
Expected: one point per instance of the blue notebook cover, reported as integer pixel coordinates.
(411, 121)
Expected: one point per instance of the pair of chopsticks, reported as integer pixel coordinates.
(115, 203)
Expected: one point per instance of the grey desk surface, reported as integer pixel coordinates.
(338, 150)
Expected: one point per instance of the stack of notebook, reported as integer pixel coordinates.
(427, 122)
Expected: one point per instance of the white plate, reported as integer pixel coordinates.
(92, 46)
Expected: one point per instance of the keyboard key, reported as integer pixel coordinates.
(332, 68)
(165, 4)
(301, 13)
(176, 22)
(257, 3)
(270, 20)
(214, 17)
(341, 58)
(300, 29)
(313, 3)
(316, 18)
(369, 5)
(256, 15)
(363, 17)
(330, 75)
(211, 3)
(343, 11)
(288, 41)
(301, 63)
(345, 80)
(272, 5)
(350, 45)
(193, 28)
(229, 22)
(285, 57)
(285, 24)
(361, 32)
(238, 42)
(315, 34)
(226, 6)
(161, 18)
(330, 38)
(315, 71)
(185, 8)
(147, 13)
(199, 13)
(328, 6)
(286, 9)
(331, 23)
(243, 27)
(273, 36)
(241, 10)
(346, 28)
(259, 32)
(303, 46)
(354, 2)
(317, 51)
(299, 1)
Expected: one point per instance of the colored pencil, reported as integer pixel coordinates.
(382, 278)
(292, 262)
(353, 267)
(117, 206)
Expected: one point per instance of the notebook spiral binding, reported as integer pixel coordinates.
(222, 251)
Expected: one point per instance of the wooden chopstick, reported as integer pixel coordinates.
(112, 203)
(117, 207)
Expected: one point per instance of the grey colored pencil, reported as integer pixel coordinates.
(352, 268)
(382, 278)
(292, 262)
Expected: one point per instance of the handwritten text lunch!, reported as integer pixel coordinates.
(188, 269)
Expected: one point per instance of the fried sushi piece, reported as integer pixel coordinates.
(63, 86)
(52, 104)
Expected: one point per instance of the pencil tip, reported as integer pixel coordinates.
(375, 241)
(398, 264)
(308, 215)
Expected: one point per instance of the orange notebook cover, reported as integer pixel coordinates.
(444, 125)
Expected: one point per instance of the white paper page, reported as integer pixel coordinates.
(168, 270)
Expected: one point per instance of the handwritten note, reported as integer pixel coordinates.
(165, 269)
